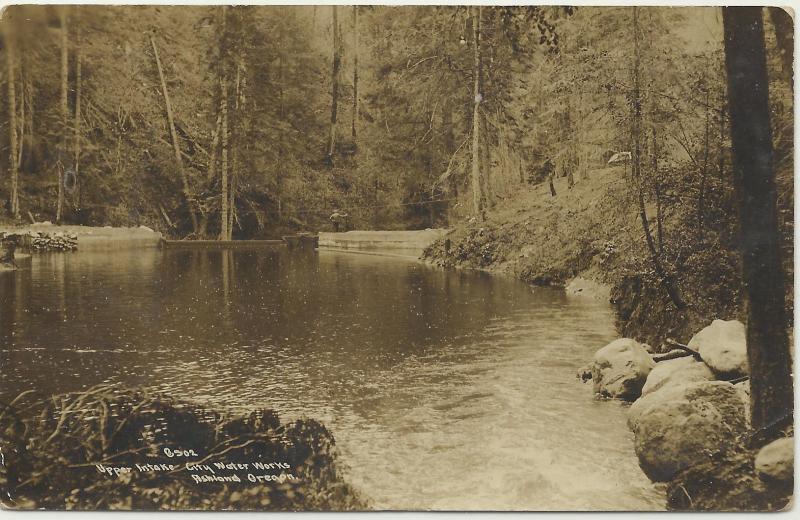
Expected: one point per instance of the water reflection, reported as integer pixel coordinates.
(444, 389)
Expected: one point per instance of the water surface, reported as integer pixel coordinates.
(444, 390)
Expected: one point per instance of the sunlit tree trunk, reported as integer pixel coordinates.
(486, 163)
(784, 35)
(281, 151)
(215, 139)
(175, 143)
(355, 77)
(569, 140)
(771, 394)
(701, 197)
(657, 189)
(450, 143)
(77, 150)
(335, 77)
(223, 234)
(21, 121)
(29, 94)
(477, 194)
(13, 160)
(235, 152)
(64, 109)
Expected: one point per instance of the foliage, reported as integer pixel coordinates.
(51, 448)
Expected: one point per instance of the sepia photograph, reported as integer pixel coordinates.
(396, 258)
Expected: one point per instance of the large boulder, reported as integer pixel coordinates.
(775, 461)
(677, 371)
(680, 426)
(620, 369)
(723, 347)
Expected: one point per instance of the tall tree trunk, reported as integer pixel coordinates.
(175, 143)
(235, 153)
(21, 121)
(701, 197)
(13, 160)
(450, 143)
(486, 163)
(64, 110)
(29, 96)
(771, 401)
(569, 139)
(77, 151)
(335, 73)
(784, 35)
(477, 193)
(211, 173)
(657, 183)
(721, 138)
(281, 152)
(666, 280)
(223, 234)
(355, 77)
(215, 138)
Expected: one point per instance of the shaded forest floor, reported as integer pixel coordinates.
(546, 240)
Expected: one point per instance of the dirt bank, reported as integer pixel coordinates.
(592, 232)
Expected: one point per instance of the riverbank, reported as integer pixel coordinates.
(109, 448)
(592, 232)
(690, 419)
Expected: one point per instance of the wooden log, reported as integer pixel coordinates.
(683, 347)
(672, 354)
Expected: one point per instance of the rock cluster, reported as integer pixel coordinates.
(686, 410)
(690, 415)
(56, 241)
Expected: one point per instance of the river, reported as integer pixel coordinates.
(444, 390)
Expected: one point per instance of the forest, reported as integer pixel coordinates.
(243, 121)
(644, 151)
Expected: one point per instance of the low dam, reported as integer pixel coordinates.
(92, 238)
(393, 243)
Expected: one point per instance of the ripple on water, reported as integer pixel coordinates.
(443, 390)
